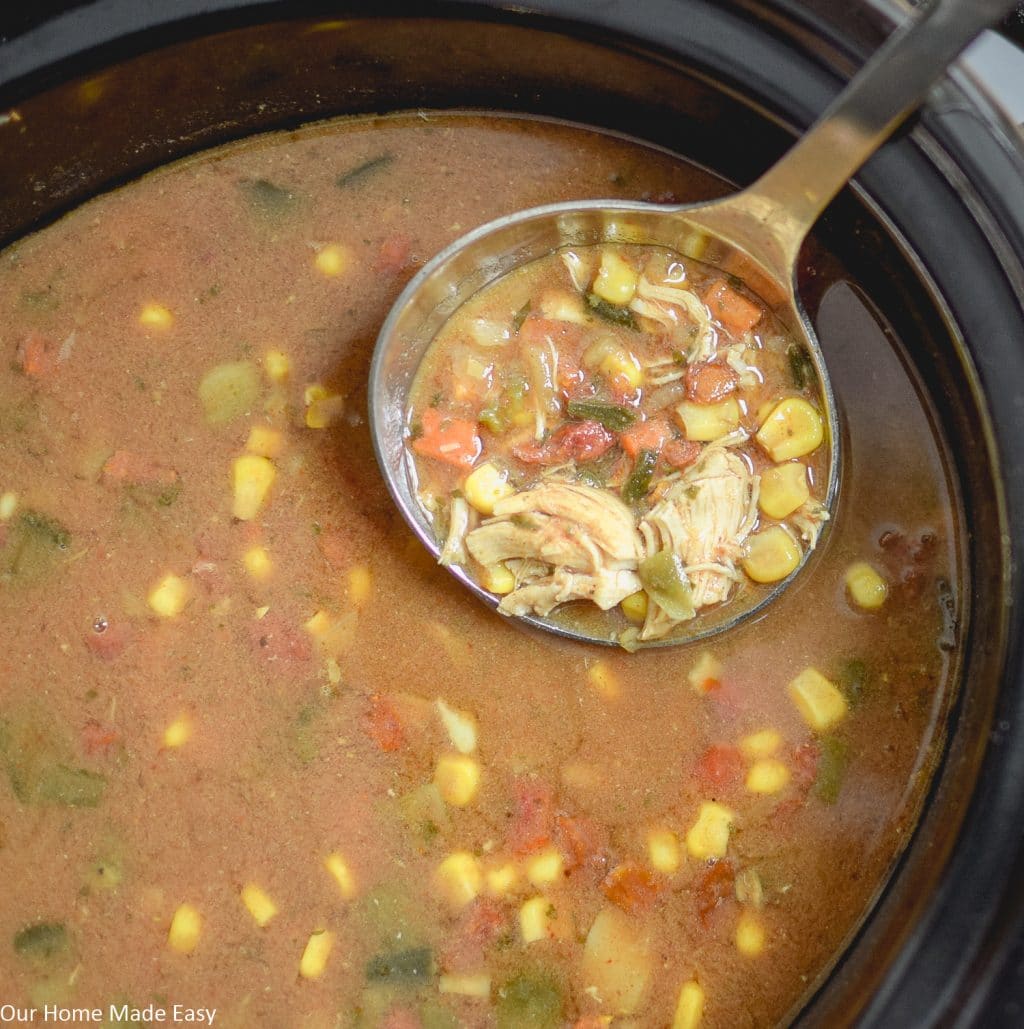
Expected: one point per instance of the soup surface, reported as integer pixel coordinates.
(261, 756)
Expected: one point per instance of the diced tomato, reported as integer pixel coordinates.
(720, 767)
(97, 738)
(652, 434)
(709, 382)
(681, 453)
(805, 765)
(731, 308)
(125, 467)
(631, 887)
(466, 944)
(383, 725)
(714, 886)
(581, 841)
(38, 356)
(394, 254)
(274, 638)
(532, 818)
(401, 1017)
(454, 440)
(577, 441)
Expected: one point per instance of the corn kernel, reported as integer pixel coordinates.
(485, 486)
(536, 919)
(476, 985)
(772, 554)
(178, 733)
(186, 927)
(315, 954)
(706, 674)
(619, 363)
(560, 305)
(767, 775)
(252, 477)
(866, 587)
(791, 429)
(498, 579)
(169, 596)
(339, 870)
(663, 850)
(818, 700)
(257, 563)
(616, 279)
(258, 904)
(318, 624)
(156, 316)
(264, 441)
(501, 881)
(333, 260)
(457, 776)
(545, 868)
(634, 607)
(750, 935)
(763, 743)
(460, 726)
(360, 585)
(709, 835)
(603, 680)
(324, 411)
(783, 489)
(277, 365)
(690, 1008)
(707, 422)
(459, 878)
(8, 505)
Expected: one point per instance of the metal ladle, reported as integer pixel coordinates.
(759, 233)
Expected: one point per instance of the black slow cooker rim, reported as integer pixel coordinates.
(978, 905)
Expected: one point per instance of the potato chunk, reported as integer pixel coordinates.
(818, 700)
(617, 961)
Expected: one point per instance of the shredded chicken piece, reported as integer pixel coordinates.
(810, 518)
(748, 374)
(567, 541)
(650, 301)
(454, 550)
(705, 518)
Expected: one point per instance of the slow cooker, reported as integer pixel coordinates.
(933, 229)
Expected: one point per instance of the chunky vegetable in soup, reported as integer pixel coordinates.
(262, 759)
(637, 432)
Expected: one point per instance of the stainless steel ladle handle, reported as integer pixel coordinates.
(771, 218)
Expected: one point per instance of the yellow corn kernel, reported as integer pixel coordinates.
(791, 429)
(457, 777)
(706, 674)
(264, 441)
(257, 563)
(460, 726)
(252, 477)
(459, 878)
(536, 919)
(8, 505)
(186, 927)
(277, 365)
(767, 775)
(763, 743)
(866, 587)
(475, 985)
(333, 260)
(178, 733)
(485, 486)
(319, 624)
(502, 881)
(156, 316)
(315, 954)
(819, 701)
(707, 422)
(772, 554)
(360, 585)
(562, 306)
(333, 671)
(690, 1008)
(750, 935)
(323, 413)
(498, 578)
(634, 607)
(783, 489)
(340, 872)
(616, 279)
(258, 904)
(709, 835)
(619, 363)
(169, 596)
(663, 850)
(603, 680)
(545, 868)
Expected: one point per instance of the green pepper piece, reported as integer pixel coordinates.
(529, 1002)
(520, 317)
(666, 583)
(831, 769)
(621, 316)
(269, 200)
(42, 941)
(801, 367)
(638, 484)
(611, 416)
(401, 966)
(363, 171)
